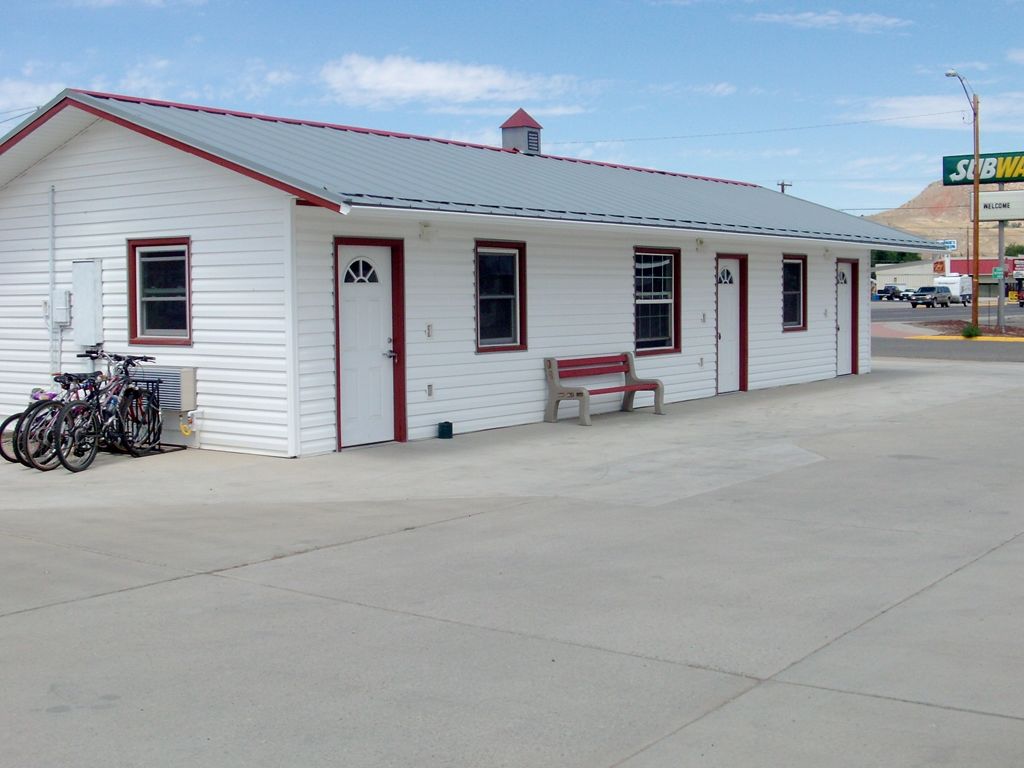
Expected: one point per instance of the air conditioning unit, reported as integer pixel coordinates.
(177, 385)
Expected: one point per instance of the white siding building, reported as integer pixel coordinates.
(335, 286)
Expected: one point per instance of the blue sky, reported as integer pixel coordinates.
(848, 101)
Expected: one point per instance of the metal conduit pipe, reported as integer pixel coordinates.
(54, 352)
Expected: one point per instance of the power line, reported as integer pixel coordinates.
(16, 109)
(914, 208)
(17, 117)
(752, 132)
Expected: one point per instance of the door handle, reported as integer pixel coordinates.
(391, 354)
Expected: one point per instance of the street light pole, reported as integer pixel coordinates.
(976, 268)
(976, 250)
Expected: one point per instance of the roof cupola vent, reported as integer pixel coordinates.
(521, 133)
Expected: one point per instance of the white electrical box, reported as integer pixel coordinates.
(60, 306)
(87, 292)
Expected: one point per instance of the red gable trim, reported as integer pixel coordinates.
(263, 178)
(36, 123)
(521, 119)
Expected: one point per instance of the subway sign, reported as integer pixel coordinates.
(995, 168)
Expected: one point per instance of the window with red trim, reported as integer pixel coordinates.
(500, 296)
(656, 300)
(159, 292)
(794, 293)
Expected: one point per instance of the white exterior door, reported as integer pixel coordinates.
(844, 318)
(728, 324)
(365, 339)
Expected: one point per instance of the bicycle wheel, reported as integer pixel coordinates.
(8, 430)
(141, 421)
(77, 435)
(26, 424)
(38, 439)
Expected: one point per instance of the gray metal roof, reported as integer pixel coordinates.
(346, 166)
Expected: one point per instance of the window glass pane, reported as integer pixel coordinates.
(653, 325)
(498, 321)
(792, 293)
(162, 274)
(653, 276)
(164, 318)
(791, 272)
(791, 306)
(497, 274)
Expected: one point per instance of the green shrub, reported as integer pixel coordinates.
(970, 331)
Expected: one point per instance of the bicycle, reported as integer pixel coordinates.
(32, 436)
(121, 415)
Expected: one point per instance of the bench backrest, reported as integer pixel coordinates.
(592, 366)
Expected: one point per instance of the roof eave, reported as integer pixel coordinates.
(106, 110)
(417, 206)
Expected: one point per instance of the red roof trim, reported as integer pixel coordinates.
(395, 135)
(217, 160)
(521, 119)
(37, 122)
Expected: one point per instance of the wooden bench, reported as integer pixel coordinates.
(573, 368)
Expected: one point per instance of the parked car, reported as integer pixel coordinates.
(905, 294)
(889, 292)
(932, 296)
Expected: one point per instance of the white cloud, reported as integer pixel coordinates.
(714, 89)
(1016, 55)
(488, 137)
(393, 80)
(256, 80)
(148, 78)
(999, 111)
(856, 22)
(129, 3)
(24, 94)
(502, 111)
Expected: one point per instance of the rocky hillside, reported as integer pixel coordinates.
(943, 213)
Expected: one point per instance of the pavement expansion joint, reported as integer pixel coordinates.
(900, 700)
(496, 630)
(897, 604)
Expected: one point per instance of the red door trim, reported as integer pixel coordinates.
(742, 258)
(397, 329)
(854, 312)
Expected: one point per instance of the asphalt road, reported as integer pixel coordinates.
(980, 351)
(901, 312)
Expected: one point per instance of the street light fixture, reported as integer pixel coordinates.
(972, 97)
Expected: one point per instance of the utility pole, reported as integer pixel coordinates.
(783, 184)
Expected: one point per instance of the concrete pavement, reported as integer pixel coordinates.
(798, 577)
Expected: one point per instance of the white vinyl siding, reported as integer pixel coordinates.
(113, 185)
(257, 307)
(580, 301)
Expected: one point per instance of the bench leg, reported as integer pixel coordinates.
(627, 401)
(659, 400)
(585, 409)
(551, 410)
